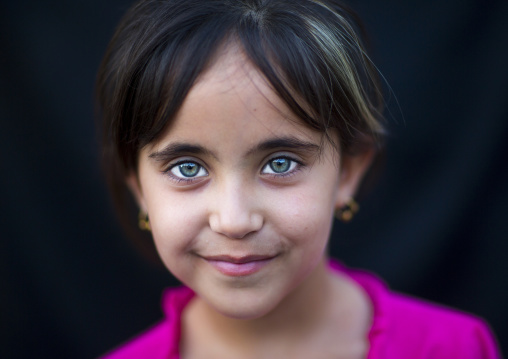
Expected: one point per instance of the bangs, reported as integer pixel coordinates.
(304, 49)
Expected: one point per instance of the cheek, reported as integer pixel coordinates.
(175, 223)
(173, 240)
(305, 215)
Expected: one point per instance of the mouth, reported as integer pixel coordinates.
(239, 266)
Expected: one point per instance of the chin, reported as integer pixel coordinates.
(244, 312)
(244, 306)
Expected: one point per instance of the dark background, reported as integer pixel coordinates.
(435, 225)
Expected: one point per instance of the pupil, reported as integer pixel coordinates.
(189, 169)
(279, 165)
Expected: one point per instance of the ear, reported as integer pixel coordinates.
(132, 182)
(353, 168)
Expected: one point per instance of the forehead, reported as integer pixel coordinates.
(231, 99)
(233, 74)
(229, 66)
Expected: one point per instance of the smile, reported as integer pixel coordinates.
(238, 267)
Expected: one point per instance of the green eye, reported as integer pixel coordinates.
(188, 170)
(280, 165)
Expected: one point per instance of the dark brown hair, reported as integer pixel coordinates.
(307, 50)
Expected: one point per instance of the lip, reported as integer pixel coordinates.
(239, 266)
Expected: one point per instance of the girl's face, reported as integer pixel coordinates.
(240, 194)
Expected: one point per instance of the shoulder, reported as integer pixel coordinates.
(407, 327)
(435, 331)
(150, 344)
(160, 341)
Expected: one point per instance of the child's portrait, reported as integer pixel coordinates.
(255, 179)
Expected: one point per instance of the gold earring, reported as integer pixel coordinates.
(348, 211)
(143, 221)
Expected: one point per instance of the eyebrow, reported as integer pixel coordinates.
(285, 142)
(179, 148)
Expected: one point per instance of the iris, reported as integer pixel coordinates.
(280, 165)
(189, 169)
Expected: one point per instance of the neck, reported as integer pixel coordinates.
(317, 305)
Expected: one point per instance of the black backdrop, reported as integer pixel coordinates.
(434, 226)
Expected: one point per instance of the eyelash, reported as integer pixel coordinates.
(294, 167)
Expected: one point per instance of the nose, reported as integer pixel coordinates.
(234, 212)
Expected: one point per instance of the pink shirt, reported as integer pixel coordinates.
(402, 328)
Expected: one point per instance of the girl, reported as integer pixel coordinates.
(240, 127)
